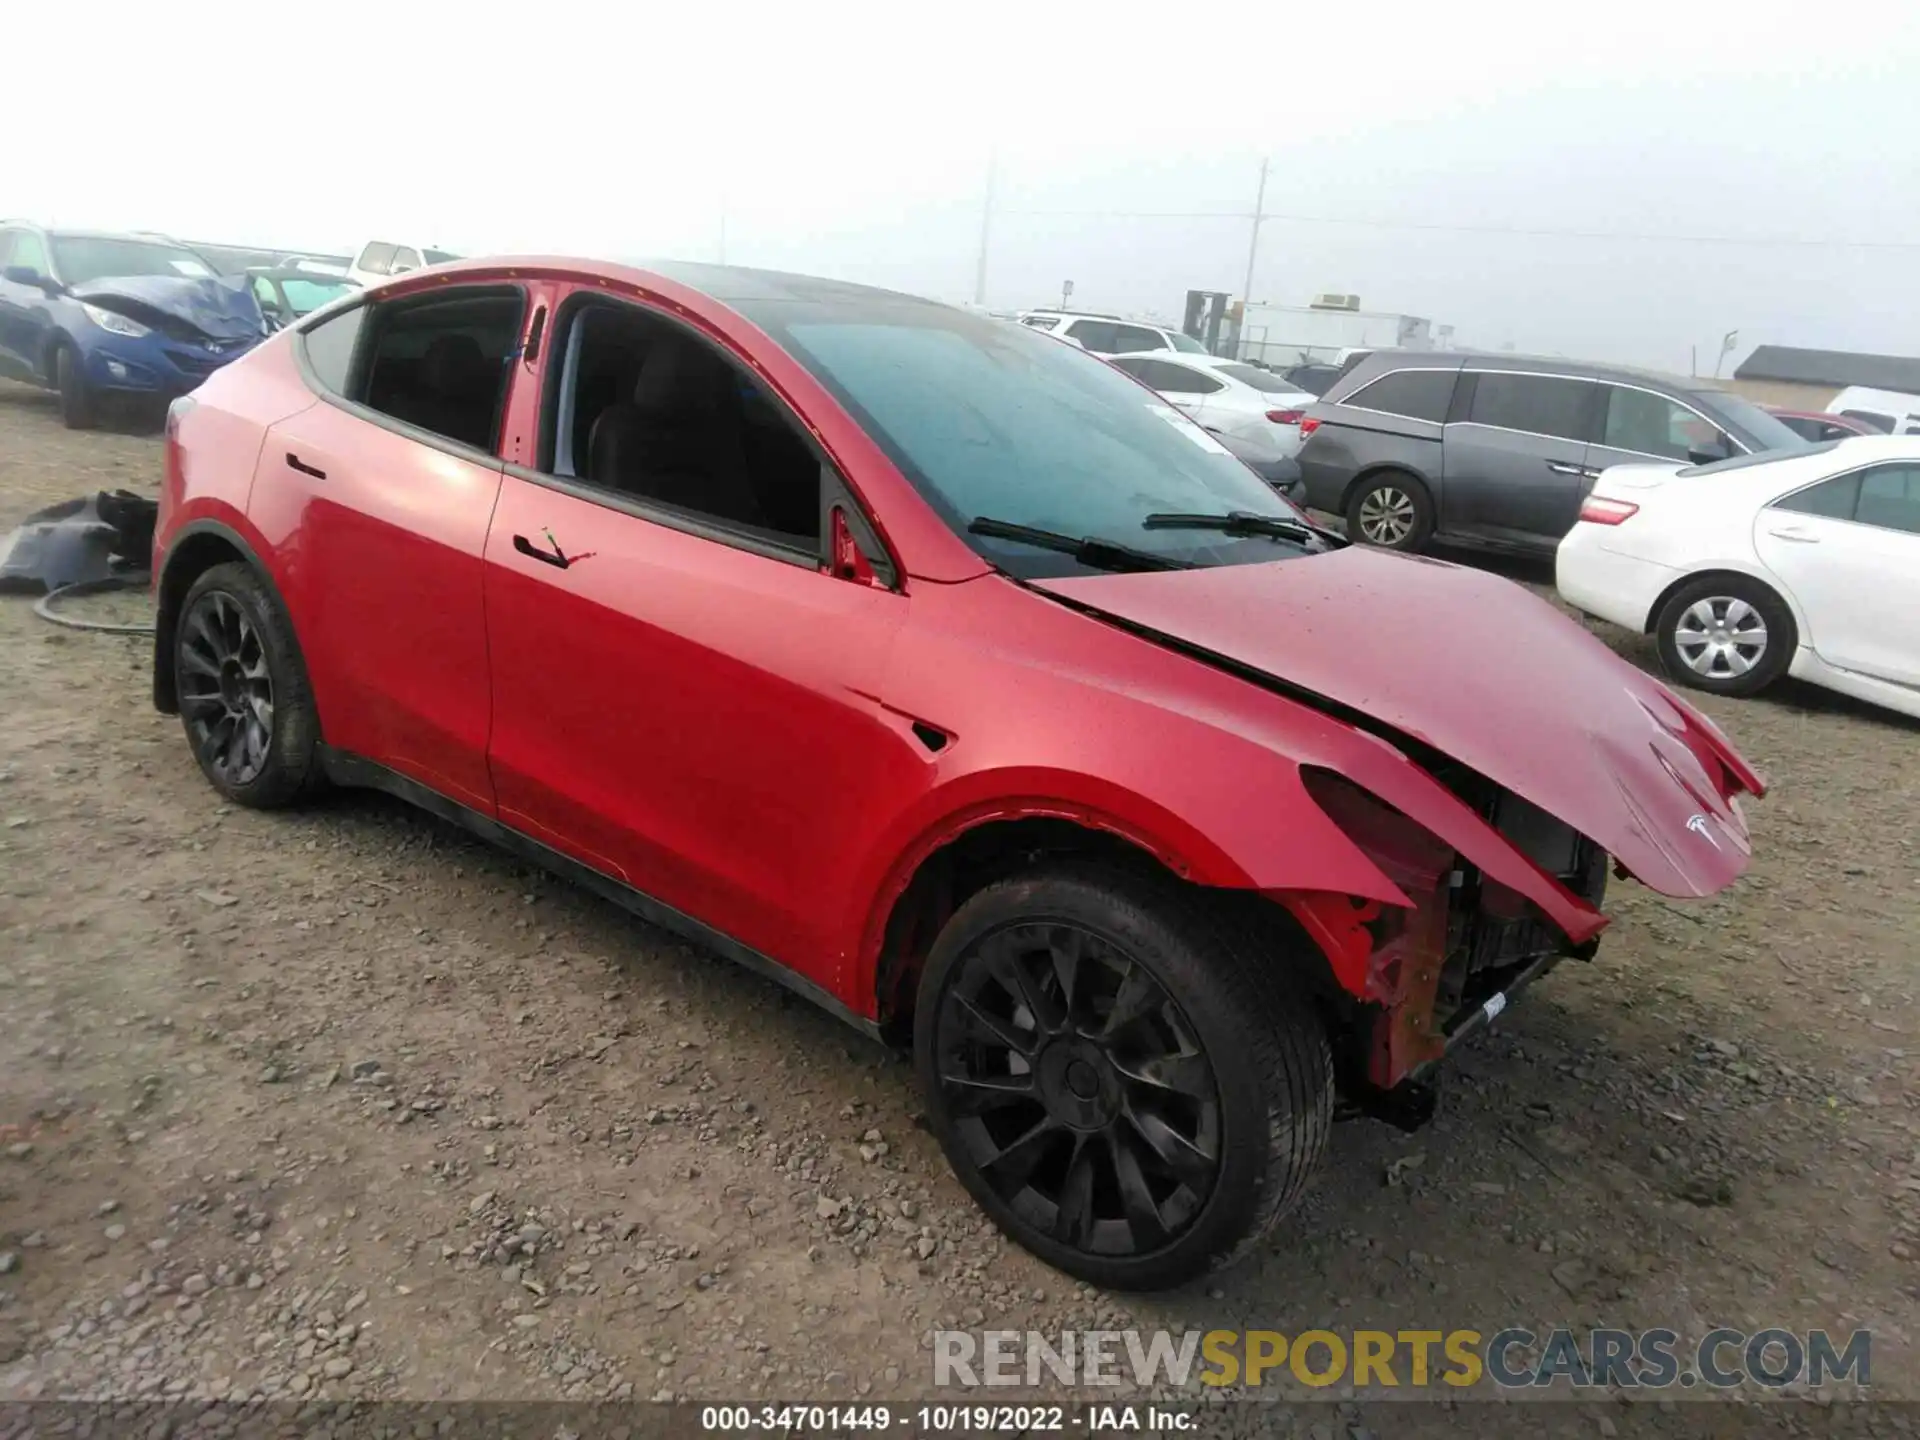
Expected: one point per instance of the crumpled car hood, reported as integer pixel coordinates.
(218, 306)
(1476, 668)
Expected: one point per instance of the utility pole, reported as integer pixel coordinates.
(1253, 244)
(986, 230)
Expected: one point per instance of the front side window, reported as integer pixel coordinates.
(1536, 404)
(403, 261)
(644, 410)
(990, 422)
(28, 250)
(1651, 424)
(1890, 498)
(1835, 498)
(1187, 345)
(1097, 336)
(377, 258)
(1871, 418)
(1416, 394)
(83, 259)
(440, 365)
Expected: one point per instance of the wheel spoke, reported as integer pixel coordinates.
(1006, 962)
(1067, 947)
(202, 705)
(193, 661)
(1185, 1074)
(236, 752)
(1149, 1231)
(1187, 1162)
(1014, 1162)
(1138, 997)
(976, 1094)
(977, 1025)
(1073, 1216)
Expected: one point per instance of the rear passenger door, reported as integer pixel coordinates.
(1516, 456)
(379, 499)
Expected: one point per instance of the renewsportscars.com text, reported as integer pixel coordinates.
(1511, 1358)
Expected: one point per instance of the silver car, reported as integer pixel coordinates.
(1499, 450)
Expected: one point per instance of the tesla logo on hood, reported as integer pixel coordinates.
(1698, 824)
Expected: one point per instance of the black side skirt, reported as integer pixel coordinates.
(352, 772)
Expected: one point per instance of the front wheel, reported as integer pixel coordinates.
(1392, 511)
(79, 406)
(1129, 1088)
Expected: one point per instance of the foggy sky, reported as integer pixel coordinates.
(854, 141)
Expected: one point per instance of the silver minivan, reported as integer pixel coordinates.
(1500, 450)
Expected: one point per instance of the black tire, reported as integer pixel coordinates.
(1390, 510)
(234, 647)
(79, 406)
(1739, 622)
(1261, 1093)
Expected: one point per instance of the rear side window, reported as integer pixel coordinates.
(1416, 394)
(1536, 404)
(1835, 499)
(440, 365)
(1171, 379)
(329, 348)
(1136, 337)
(1265, 381)
(1890, 498)
(1041, 322)
(1099, 336)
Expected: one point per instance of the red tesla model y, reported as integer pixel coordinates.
(943, 673)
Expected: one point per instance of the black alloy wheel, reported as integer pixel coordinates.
(226, 688)
(1079, 1089)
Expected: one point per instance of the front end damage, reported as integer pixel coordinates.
(1416, 980)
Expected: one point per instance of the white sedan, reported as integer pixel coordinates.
(1224, 395)
(1797, 562)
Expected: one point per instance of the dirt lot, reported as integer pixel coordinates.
(341, 1103)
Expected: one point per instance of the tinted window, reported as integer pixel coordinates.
(989, 420)
(1098, 336)
(1417, 394)
(1171, 379)
(329, 348)
(1135, 337)
(1652, 424)
(1265, 381)
(376, 258)
(440, 365)
(1890, 498)
(1831, 498)
(1537, 404)
(1882, 423)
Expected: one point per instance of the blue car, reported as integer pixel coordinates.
(96, 316)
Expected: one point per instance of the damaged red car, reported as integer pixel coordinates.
(946, 675)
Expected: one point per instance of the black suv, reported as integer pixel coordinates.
(1499, 450)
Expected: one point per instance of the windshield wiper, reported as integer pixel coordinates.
(1089, 550)
(1235, 522)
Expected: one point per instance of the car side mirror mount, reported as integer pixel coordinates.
(27, 275)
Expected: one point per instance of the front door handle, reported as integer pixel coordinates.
(294, 462)
(1796, 535)
(555, 557)
(1561, 467)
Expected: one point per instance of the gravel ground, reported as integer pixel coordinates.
(342, 1104)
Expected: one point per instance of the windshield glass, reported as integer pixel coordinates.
(82, 259)
(305, 296)
(993, 421)
(1186, 343)
(1767, 431)
(1264, 381)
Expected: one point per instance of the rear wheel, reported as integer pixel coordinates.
(243, 693)
(1726, 634)
(1127, 1086)
(79, 406)
(1391, 510)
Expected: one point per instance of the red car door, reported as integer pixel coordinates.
(380, 524)
(689, 712)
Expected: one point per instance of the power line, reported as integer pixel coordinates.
(1800, 242)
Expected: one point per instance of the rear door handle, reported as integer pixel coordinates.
(1561, 467)
(1796, 535)
(294, 462)
(554, 557)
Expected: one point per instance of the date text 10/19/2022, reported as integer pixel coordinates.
(945, 1419)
